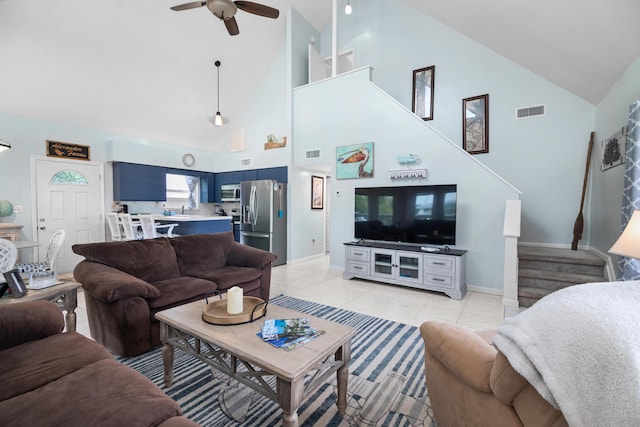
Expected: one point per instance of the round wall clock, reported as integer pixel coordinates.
(188, 159)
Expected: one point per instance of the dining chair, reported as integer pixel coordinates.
(129, 227)
(150, 228)
(114, 227)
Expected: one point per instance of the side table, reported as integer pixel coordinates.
(64, 295)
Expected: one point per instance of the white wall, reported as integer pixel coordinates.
(611, 115)
(326, 118)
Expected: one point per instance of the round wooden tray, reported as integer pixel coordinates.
(215, 312)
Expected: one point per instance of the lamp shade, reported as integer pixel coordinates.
(628, 244)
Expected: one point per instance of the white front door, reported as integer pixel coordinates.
(69, 197)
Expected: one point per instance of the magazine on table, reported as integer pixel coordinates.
(288, 333)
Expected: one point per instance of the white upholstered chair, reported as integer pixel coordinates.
(53, 248)
(150, 228)
(8, 256)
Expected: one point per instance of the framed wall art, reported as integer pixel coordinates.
(423, 81)
(613, 149)
(14, 283)
(317, 192)
(475, 124)
(354, 161)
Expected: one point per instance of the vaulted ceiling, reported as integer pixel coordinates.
(136, 67)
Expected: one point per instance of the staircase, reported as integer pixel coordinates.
(545, 270)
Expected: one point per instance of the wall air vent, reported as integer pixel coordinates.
(245, 162)
(312, 154)
(534, 111)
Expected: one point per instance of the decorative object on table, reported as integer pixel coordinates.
(216, 313)
(579, 224)
(354, 161)
(272, 142)
(42, 279)
(613, 149)
(226, 10)
(408, 159)
(288, 333)
(423, 85)
(6, 208)
(317, 192)
(188, 160)
(4, 146)
(408, 174)
(475, 124)
(67, 150)
(234, 300)
(14, 283)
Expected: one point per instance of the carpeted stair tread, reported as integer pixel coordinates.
(560, 255)
(559, 276)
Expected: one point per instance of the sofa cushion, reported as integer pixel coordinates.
(201, 252)
(149, 260)
(103, 393)
(19, 325)
(226, 277)
(34, 364)
(179, 290)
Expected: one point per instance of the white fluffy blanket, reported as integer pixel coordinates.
(580, 348)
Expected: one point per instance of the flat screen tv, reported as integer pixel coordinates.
(410, 214)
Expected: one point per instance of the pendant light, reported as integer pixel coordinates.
(218, 119)
(347, 8)
(4, 146)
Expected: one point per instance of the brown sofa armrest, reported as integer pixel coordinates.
(109, 284)
(28, 321)
(464, 353)
(246, 256)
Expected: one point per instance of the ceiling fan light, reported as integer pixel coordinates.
(347, 8)
(218, 119)
(4, 146)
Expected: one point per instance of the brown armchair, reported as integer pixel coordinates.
(470, 383)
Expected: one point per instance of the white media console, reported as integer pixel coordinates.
(407, 265)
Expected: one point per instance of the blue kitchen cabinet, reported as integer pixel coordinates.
(134, 182)
(208, 184)
(250, 175)
(278, 174)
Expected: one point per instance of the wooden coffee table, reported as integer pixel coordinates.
(227, 348)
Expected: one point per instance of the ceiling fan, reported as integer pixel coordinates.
(226, 10)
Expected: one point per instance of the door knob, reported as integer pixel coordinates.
(43, 228)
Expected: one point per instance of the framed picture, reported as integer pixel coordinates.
(613, 149)
(475, 124)
(423, 79)
(354, 161)
(317, 192)
(15, 283)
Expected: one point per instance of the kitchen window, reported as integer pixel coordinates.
(182, 190)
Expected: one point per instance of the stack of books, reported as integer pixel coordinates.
(288, 333)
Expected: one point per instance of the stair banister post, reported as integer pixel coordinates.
(512, 216)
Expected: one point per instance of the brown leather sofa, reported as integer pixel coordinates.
(50, 378)
(470, 383)
(127, 283)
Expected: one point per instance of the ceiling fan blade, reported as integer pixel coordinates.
(232, 26)
(257, 9)
(191, 5)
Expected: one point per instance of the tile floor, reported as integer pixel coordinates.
(314, 281)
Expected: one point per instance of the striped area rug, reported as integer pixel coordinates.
(386, 380)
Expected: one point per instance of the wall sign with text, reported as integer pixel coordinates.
(66, 150)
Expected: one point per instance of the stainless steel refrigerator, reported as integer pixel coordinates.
(263, 219)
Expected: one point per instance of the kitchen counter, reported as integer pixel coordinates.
(182, 218)
(197, 224)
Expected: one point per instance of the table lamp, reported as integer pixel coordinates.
(628, 244)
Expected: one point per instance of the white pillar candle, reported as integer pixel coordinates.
(234, 300)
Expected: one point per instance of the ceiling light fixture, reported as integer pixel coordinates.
(218, 119)
(4, 146)
(347, 8)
